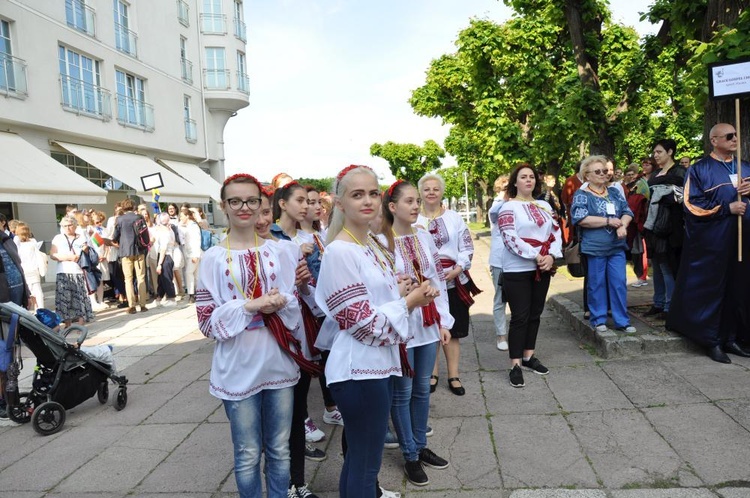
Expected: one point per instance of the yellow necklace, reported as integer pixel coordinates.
(368, 247)
(417, 250)
(257, 268)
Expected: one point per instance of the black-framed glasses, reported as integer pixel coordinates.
(728, 136)
(235, 203)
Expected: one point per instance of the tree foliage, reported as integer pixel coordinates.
(410, 161)
(321, 184)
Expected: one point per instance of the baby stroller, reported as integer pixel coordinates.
(65, 375)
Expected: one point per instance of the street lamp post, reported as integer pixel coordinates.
(466, 189)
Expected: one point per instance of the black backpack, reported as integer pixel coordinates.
(142, 237)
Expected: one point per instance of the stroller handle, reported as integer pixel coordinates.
(84, 332)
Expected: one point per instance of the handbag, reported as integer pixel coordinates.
(572, 257)
(178, 257)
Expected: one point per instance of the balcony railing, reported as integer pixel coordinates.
(183, 13)
(13, 76)
(214, 24)
(80, 16)
(135, 113)
(243, 83)
(82, 97)
(240, 30)
(191, 131)
(187, 70)
(216, 79)
(126, 40)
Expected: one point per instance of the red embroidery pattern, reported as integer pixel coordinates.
(506, 219)
(352, 315)
(439, 232)
(253, 389)
(535, 214)
(204, 311)
(372, 371)
(348, 293)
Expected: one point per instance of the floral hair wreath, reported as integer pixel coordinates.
(346, 170)
(237, 176)
(393, 187)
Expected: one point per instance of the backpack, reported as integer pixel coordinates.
(142, 237)
(206, 239)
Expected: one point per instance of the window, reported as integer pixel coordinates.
(80, 84)
(191, 132)
(125, 39)
(132, 109)
(80, 16)
(243, 82)
(12, 69)
(185, 65)
(88, 171)
(183, 13)
(213, 21)
(216, 73)
(240, 30)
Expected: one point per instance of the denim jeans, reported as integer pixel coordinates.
(411, 401)
(607, 278)
(364, 406)
(498, 305)
(663, 285)
(261, 422)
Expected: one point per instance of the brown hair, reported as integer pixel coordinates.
(513, 190)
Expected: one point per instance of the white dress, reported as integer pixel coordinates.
(247, 358)
(366, 318)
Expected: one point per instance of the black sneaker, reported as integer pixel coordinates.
(303, 492)
(416, 474)
(516, 377)
(3, 413)
(314, 454)
(535, 365)
(654, 310)
(430, 459)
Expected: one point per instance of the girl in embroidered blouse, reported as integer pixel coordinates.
(367, 317)
(532, 241)
(246, 303)
(455, 248)
(415, 256)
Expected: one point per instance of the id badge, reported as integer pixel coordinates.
(611, 209)
(733, 179)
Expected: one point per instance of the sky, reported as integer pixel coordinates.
(328, 78)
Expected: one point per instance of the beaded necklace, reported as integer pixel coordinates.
(417, 250)
(369, 248)
(257, 269)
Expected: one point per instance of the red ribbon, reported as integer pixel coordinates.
(465, 291)
(406, 369)
(312, 327)
(544, 251)
(286, 340)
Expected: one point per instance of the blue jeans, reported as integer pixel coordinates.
(607, 277)
(663, 285)
(364, 406)
(261, 422)
(498, 305)
(411, 401)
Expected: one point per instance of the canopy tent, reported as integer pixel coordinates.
(196, 176)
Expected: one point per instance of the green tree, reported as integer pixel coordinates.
(409, 161)
(321, 184)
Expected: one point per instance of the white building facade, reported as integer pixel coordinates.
(116, 91)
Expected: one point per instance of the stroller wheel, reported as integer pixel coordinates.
(21, 413)
(122, 398)
(103, 392)
(48, 418)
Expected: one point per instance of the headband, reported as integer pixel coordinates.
(232, 178)
(393, 187)
(346, 170)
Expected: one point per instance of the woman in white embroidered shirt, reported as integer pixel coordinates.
(245, 301)
(533, 241)
(367, 316)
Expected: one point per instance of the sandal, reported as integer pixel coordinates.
(433, 386)
(458, 391)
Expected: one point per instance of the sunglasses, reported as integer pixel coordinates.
(728, 136)
(598, 171)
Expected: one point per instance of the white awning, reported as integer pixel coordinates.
(195, 175)
(31, 176)
(130, 168)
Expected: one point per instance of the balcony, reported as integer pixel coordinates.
(135, 113)
(126, 40)
(187, 70)
(13, 76)
(80, 16)
(191, 131)
(85, 98)
(243, 83)
(240, 30)
(183, 13)
(216, 79)
(213, 24)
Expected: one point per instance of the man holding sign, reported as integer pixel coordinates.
(709, 304)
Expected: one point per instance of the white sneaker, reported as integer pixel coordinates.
(639, 283)
(502, 345)
(601, 328)
(628, 330)
(332, 418)
(312, 433)
(167, 303)
(384, 493)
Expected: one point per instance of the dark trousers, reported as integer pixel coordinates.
(525, 297)
(117, 278)
(165, 286)
(297, 436)
(327, 398)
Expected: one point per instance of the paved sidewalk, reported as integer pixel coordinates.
(662, 426)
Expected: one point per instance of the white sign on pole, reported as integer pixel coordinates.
(729, 79)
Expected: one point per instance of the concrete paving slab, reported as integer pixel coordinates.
(586, 388)
(186, 370)
(191, 405)
(503, 399)
(663, 493)
(738, 409)
(716, 446)
(715, 380)
(444, 403)
(96, 494)
(21, 494)
(733, 492)
(625, 450)
(150, 366)
(143, 400)
(554, 460)
(558, 493)
(19, 441)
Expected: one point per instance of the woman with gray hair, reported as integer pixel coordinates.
(72, 302)
(164, 243)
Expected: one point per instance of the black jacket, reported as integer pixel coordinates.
(12, 250)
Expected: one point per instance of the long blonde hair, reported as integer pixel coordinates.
(340, 185)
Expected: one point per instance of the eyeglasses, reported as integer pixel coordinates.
(235, 203)
(598, 171)
(728, 136)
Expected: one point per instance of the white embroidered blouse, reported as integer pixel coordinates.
(520, 220)
(452, 239)
(366, 318)
(247, 359)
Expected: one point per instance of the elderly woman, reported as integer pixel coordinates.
(164, 244)
(72, 302)
(31, 264)
(455, 249)
(603, 215)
